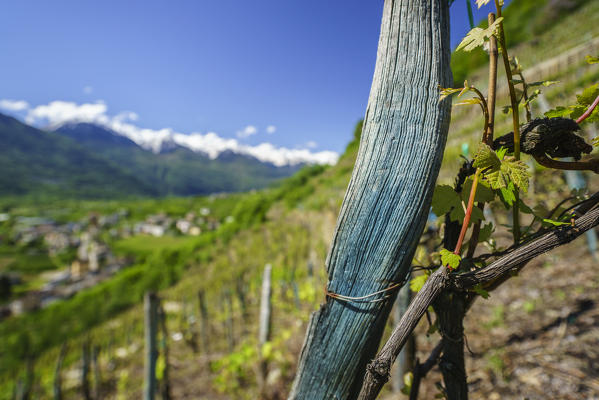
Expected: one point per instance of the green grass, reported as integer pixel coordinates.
(144, 245)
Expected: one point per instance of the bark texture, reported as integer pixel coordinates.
(388, 198)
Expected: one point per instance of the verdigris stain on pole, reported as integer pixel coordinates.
(388, 199)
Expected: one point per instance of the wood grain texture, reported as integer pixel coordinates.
(388, 199)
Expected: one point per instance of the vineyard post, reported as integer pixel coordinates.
(57, 384)
(203, 320)
(387, 201)
(228, 304)
(97, 374)
(165, 388)
(151, 352)
(265, 323)
(85, 367)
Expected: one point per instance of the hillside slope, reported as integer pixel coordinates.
(534, 338)
(36, 163)
(177, 170)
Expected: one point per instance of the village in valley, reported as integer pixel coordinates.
(77, 255)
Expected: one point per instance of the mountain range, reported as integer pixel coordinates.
(86, 160)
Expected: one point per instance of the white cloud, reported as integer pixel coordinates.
(247, 131)
(270, 129)
(58, 112)
(13, 105)
(213, 145)
(126, 116)
(311, 144)
(88, 90)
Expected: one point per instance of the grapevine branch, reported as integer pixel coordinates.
(515, 118)
(377, 372)
(420, 370)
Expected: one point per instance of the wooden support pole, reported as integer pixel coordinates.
(57, 385)
(96, 371)
(203, 321)
(151, 352)
(165, 385)
(228, 303)
(387, 201)
(264, 324)
(85, 367)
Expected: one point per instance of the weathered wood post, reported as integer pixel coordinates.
(96, 369)
(165, 386)
(228, 304)
(388, 199)
(151, 353)
(264, 327)
(24, 388)
(57, 385)
(85, 363)
(203, 321)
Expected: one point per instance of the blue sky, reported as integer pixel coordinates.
(301, 67)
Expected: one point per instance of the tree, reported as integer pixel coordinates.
(386, 204)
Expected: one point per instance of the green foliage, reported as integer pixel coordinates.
(524, 21)
(583, 101)
(478, 289)
(417, 282)
(408, 379)
(235, 370)
(551, 222)
(449, 259)
(477, 36)
(485, 232)
(446, 200)
(499, 172)
(592, 60)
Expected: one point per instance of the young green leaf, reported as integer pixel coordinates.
(507, 195)
(478, 289)
(452, 261)
(483, 192)
(532, 97)
(444, 199)
(555, 223)
(417, 282)
(485, 232)
(486, 158)
(468, 102)
(558, 111)
(497, 172)
(501, 152)
(481, 3)
(544, 83)
(465, 89)
(588, 95)
(517, 171)
(477, 36)
(447, 92)
(592, 60)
